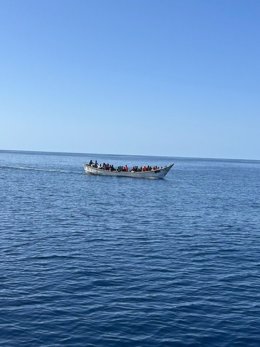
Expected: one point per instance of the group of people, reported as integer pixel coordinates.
(145, 168)
(103, 166)
(106, 166)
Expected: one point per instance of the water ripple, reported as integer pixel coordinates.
(87, 261)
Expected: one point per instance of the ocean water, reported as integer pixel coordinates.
(106, 261)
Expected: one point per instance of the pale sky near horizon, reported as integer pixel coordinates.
(164, 77)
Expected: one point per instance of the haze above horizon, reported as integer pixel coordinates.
(170, 78)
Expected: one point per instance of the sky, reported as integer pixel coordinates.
(152, 77)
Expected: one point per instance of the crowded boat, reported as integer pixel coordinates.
(110, 167)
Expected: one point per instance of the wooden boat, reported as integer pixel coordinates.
(151, 174)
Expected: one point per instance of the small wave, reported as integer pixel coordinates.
(28, 168)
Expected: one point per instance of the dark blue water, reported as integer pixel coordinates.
(106, 261)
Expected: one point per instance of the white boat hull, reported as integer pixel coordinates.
(153, 174)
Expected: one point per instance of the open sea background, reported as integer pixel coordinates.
(106, 261)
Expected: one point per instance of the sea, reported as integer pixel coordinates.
(109, 261)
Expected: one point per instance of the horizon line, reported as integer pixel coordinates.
(23, 151)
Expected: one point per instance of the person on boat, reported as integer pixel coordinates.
(90, 162)
(96, 164)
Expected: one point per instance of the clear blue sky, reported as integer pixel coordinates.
(164, 77)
